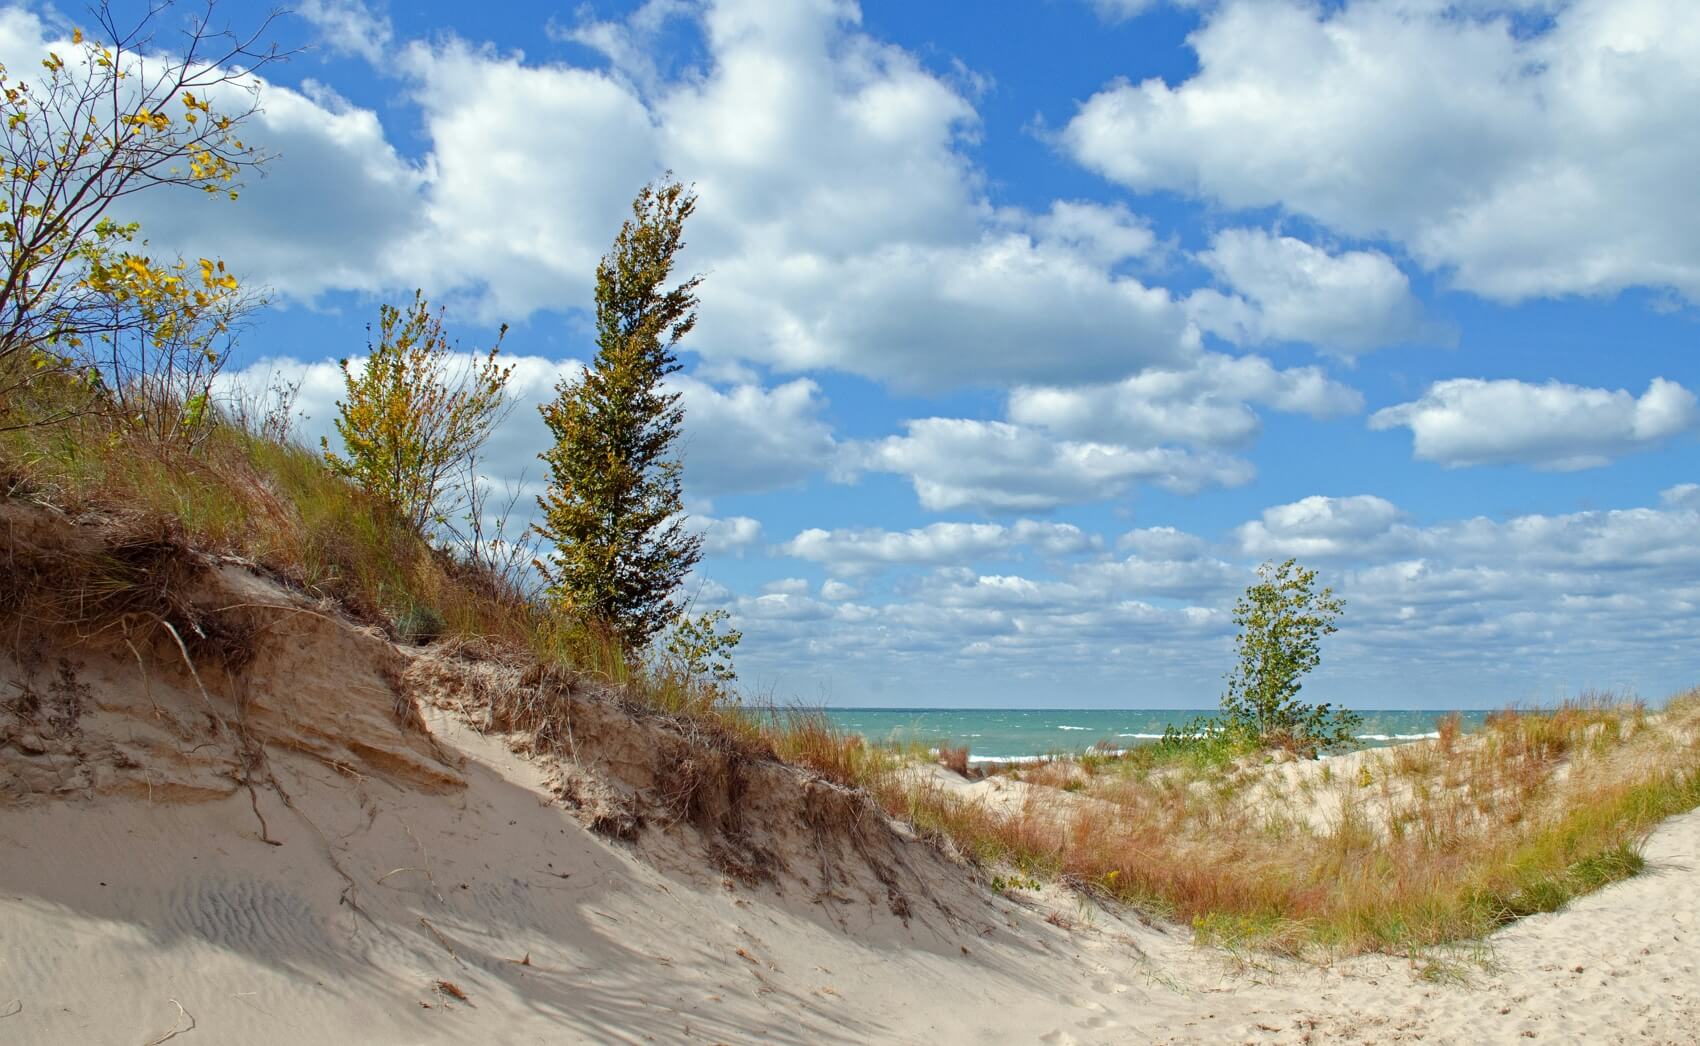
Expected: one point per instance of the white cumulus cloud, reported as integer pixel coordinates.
(1320, 526)
(841, 223)
(348, 26)
(1520, 158)
(747, 437)
(1468, 610)
(996, 466)
(731, 536)
(1208, 403)
(1683, 495)
(937, 544)
(1469, 421)
(1292, 291)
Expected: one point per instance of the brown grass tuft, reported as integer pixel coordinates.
(954, 759)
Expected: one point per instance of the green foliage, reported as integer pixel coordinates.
(613, 508)
(87, 131)
(1540, 879)
(1205, 742)
(1536, 893)
(1235, 932)
(412, 416)
(1282, 620)
(702, 649)
(420, 623)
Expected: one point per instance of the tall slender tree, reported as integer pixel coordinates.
(613, 509)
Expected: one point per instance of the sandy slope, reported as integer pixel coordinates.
(115, 911)
(410, 880)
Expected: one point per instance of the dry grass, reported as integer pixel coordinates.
(1390, 850)
(954, 759)
(806, 737)
(239, 493)
(271, 504)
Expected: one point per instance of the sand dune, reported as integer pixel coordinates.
(114, 912)
(313, 842)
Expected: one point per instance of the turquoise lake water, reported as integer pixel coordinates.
(1007, 733)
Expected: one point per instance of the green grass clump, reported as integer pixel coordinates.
(1205, 743)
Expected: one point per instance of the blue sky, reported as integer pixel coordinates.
(1027, 334)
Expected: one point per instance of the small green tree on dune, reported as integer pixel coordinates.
(700, 648)
(413, 416)
(1282, 620)
(613, 509)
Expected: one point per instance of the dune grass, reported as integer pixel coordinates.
(1393, 850)
(1388, 850)
(272, 504)
(238, 492)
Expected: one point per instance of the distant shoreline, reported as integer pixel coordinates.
(1006, 734)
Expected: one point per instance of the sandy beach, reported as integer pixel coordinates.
(388, 913)
(291, 829)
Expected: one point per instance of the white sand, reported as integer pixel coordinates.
(114, 912)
